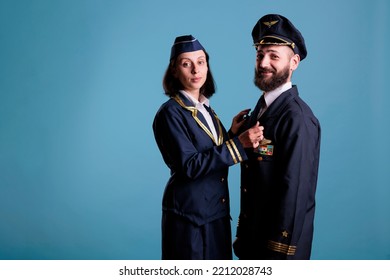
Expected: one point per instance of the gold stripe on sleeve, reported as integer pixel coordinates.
(281, 248)
(231, 152)
(236, 150)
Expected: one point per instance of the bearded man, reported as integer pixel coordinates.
(278, 181)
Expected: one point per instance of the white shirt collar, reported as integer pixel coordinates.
(203, 100)
(273, 94)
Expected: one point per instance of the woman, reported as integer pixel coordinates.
(197, 149)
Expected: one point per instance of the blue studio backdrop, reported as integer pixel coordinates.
(80, 174)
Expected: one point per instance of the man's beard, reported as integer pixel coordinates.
(273, 82)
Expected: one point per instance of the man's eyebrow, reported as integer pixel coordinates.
(269, 50)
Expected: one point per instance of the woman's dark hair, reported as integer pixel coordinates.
(172, 85)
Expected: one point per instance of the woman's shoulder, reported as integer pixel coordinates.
(169, 108)
(168, 105)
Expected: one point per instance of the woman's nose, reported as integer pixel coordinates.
(195, 69)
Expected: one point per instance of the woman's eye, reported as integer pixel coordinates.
(186, 64)
(201, 62)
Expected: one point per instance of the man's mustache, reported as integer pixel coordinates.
(262, 70)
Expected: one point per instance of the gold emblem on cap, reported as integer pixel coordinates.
(270, 23)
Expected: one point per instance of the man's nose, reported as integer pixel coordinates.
(262, 61)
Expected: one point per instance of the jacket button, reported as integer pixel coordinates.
(223, 200)
(222, 179)
(244, 190)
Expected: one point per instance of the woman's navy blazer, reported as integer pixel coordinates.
(198, 186)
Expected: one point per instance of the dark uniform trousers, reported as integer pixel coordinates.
(196, 212)
(278, 183)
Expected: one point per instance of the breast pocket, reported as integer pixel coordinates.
(265, 152)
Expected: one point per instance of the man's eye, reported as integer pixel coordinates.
(186, 64)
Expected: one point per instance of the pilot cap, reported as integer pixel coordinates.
(273, 29)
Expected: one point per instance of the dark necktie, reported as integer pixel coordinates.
(263, 106)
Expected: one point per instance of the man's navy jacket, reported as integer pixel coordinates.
(278, 183)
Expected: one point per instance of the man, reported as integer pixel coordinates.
(278, 181)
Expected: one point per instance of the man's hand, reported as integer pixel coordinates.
(251, 137)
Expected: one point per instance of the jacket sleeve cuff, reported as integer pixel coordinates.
(282, 248)
(236, 150)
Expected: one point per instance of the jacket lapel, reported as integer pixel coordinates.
(201, 121)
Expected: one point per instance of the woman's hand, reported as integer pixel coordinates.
(239, 120)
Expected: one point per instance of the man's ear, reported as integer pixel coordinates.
(294, 62)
